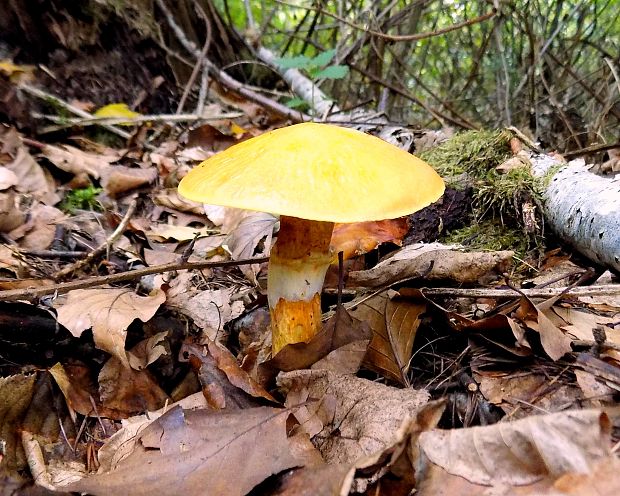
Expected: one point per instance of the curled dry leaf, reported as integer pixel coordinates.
(357, 238)
(433, 261)
(200, 452)
(514, 453)
(40, 229)
(76, 162)
(252, 238)
(170, 198)
(555, 342)
(225, 384)
(32, 179)
(394, 321)
(11, 214)
(119, 179)
(109, 311)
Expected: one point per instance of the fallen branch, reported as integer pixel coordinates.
(33, 293)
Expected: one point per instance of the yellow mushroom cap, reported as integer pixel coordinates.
(316, 172)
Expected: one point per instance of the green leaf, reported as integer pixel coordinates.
(332, 72)
(296, 102)
(322, 59)
(299, 62)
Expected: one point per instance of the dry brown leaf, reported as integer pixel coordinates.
(225, 384)
(340, 330)
(81, 392)
(40, 229)
(76, 162)
(209, 310)
(119, 179)
(210, 138)
(357, 238)
(127, 391)
(433, 261)
(8, 178)
(170, 198)
(11, 214)
(15, 396)
(555, 342)
(252, 238)
(162, 232)
(394, 321)
(580, 324)
(366, 414)
(227, 218)
(32, 178)
(514, 453)
(198, 453)
(109, 311)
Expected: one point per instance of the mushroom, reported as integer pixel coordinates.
(312, 175)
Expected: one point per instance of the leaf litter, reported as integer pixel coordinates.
(156, 390)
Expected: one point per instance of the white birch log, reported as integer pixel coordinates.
(583, 209)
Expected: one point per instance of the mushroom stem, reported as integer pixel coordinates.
(297, 266)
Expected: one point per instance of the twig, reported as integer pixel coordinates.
(602, 290)
(43, 95)
(102, 248)
(591, 149)
(53, 253)
(100, 121)
(61, 288)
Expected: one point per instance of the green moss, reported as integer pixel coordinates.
(489, 235)
(84, 198)
(472, 152)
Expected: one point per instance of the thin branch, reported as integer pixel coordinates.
(43, 95)
(399, 37)
(61, 288)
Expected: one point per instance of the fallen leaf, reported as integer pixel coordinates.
(180, 233)
(209, 310)
(170, 198)
(210, 138)
(32, 178)
(357, 238)
(38, 232)
(516, 453)
(127, 391)
(394, 321)
(8, 178)
(75, 161)
(221, 377)
(555, 342)
(109, 311)
(252, 238)
(11, 213)
(366, 414)
(119, 179)
(200, 452)
(340, 330)
(16, 393)
(117, 110)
